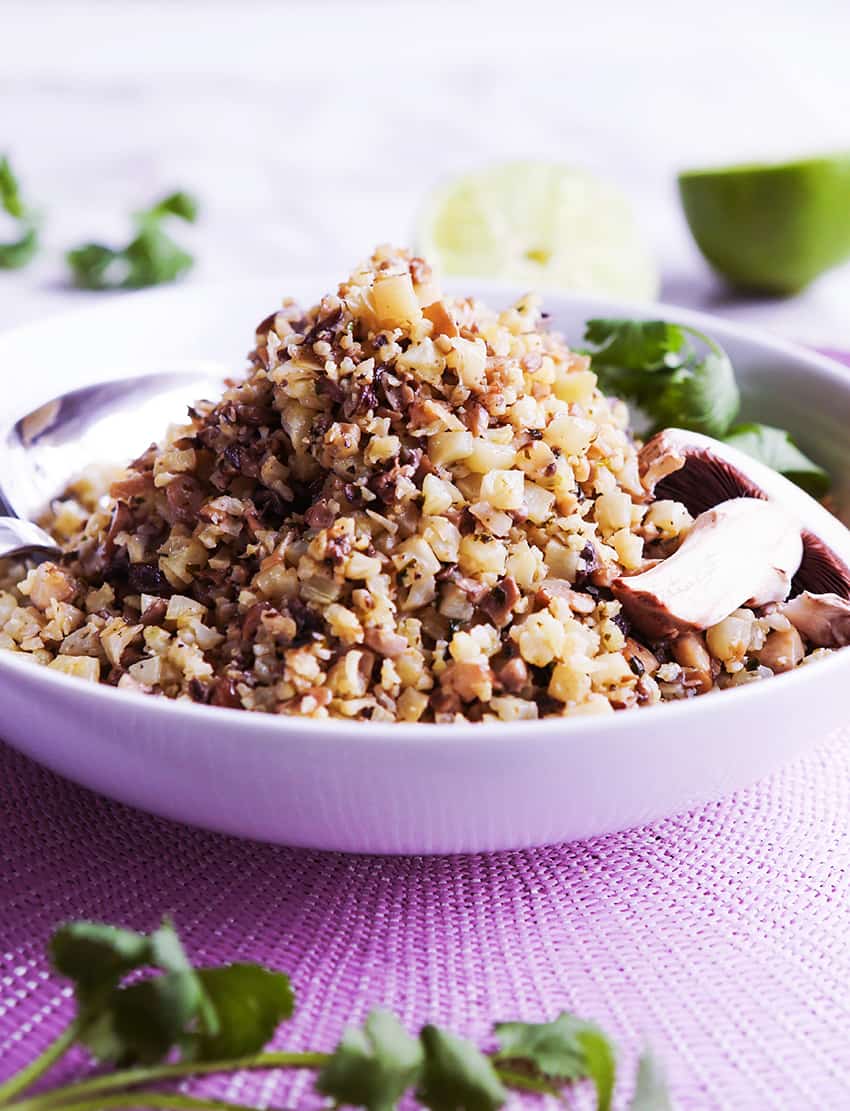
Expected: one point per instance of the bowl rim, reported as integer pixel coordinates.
(276, 726)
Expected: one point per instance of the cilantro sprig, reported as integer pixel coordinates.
(145, 1009)
(21, 250)
(657, 366)
(151, 257)
(681, 378)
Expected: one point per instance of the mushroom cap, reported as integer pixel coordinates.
(702, 472)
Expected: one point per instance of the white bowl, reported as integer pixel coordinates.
(408, 788)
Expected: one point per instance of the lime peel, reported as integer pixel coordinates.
(772, 228)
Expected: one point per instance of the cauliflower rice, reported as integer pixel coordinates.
(412, 509)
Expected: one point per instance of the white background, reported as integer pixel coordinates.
(311, 131)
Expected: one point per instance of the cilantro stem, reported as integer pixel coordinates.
(132, 1078)
(171, 1100)
(31, 1072)
(91, 1094)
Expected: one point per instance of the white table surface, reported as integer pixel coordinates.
(311, 131)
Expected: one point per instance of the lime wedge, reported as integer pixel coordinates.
(539, 225)
(771, 228)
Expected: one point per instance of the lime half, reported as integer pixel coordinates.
(771, 228)
(539, 225)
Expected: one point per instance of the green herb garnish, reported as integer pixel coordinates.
(655, 365)
(645, 345)
(181, 204)
(174, 1020)
(19, 251)
(774, 447)
(207, 1013)
(565, 1049)
(374, 1065)
(150, 258)
(456, 1076)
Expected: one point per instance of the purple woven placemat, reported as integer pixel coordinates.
(721, 937)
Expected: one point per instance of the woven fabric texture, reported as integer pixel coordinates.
(721, 937)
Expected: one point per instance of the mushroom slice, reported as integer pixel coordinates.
(742, 552)
(701, 473)
(823, 619)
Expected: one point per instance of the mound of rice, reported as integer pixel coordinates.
(411, 509)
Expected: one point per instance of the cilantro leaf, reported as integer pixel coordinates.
(775, 447)
(645, 344)
(701, 395)
(151, 257)
(181, 204)
(95, 266)
(96, 958)
(374, 1066)
(249, 1003)
(226, 1011)
(20, 251)
(456, 1076)
(655, 365)
(10, 193)
(566, 1048)
(15, 255)
(552, 1047)
(651, 1092)
(140, 1024)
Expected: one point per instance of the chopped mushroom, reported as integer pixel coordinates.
(641, 660)
(385, 642)
(691, 653)
(578, 601)
(823, 619)
(514, 675)
(783, 650)
(744, 551)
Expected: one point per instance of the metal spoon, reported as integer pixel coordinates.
(109, 423)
